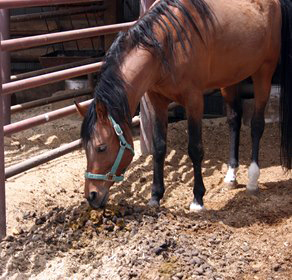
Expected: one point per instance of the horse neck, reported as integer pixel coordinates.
(140, 71)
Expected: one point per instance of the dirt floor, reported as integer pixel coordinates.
(52, 233)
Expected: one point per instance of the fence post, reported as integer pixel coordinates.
(5, 67)
(146, 124)
(2, 160)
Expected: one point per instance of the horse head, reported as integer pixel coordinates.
(108, 149)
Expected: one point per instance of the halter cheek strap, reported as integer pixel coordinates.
(111, 176)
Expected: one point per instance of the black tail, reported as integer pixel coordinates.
(286, 85)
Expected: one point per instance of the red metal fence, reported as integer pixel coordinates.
(7, 88)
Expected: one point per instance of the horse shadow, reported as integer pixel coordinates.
(270, 206)
(240, 209)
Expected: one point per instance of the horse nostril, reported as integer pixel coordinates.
(92, 196)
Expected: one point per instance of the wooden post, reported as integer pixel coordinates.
(146, 123)
(5, 66)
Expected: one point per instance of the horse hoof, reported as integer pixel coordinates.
(196, 207)
(230, 185)
(252, 190)
(153, 203)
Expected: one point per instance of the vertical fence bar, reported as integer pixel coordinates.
(145, 5)
(146, 123)
(4, 114)
(5, 69)
(2, 169)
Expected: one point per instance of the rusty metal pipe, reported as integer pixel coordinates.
(46, 39)
(12, 4)
(4, 115)
(40, 159)
(5, 70)
(50, 78)
(49, 100)
(2, 164)
(58, 13)
(44, 118)
(52, 69)
(2, 176)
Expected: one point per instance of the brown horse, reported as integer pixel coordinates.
(175, 52)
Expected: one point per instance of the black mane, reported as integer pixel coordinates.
(110, 89)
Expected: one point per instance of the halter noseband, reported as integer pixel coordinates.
(111, 176)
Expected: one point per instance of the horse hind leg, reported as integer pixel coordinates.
(234, 115)
(262, 87)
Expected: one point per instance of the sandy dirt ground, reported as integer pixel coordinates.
(53, 234)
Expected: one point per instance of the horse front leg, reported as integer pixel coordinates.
(234, 115)
(159, 116)
(195, 149)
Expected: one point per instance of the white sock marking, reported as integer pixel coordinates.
(253, 176)
(230, 175)
(196, 207)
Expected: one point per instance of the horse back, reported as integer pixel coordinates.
(244, 35)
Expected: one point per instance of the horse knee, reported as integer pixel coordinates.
(234, 120)
(234, 113)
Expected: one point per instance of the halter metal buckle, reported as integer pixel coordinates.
(118, 130)
(110, 177)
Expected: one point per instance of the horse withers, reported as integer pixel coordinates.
(175, 52)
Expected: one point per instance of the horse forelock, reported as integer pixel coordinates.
(88, 124)
(111, 93)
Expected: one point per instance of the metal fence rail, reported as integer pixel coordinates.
(41, 119)
(52, 14)
(52, 38)
(2, 171)
(12, 4)
(52, 69)
(42, 158)
(50, 78)
(71, 93)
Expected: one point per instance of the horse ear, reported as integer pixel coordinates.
(101, 111)
(81, 109)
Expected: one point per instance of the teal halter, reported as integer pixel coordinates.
(111, 176)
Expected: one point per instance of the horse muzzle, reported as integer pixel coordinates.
(96, 200)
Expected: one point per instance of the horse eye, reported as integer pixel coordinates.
(101, 148)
